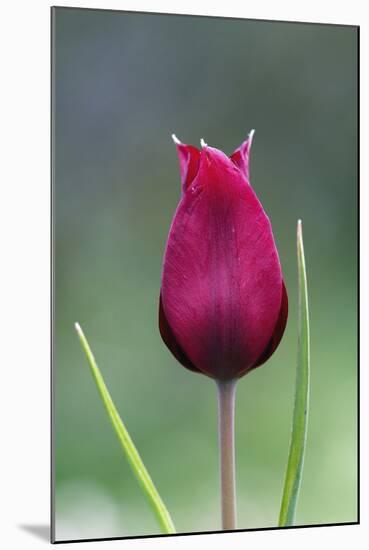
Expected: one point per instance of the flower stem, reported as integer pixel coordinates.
(226, 405)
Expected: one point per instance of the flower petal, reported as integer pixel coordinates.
(278, 331)
(222, 280)
(241, 156)
(189, 158)
(169, 339)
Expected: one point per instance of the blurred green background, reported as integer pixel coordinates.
(123, 83)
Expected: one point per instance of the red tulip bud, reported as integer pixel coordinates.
(223, 303)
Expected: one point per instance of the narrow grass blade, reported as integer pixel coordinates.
(126, 442)
(301, 406)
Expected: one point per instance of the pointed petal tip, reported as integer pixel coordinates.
(176, 140)
(241, 156)
(203, 143)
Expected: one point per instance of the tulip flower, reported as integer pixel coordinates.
(223, 303)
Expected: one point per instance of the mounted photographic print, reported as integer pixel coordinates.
(205, 236)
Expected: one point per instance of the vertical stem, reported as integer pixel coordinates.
(226, 403)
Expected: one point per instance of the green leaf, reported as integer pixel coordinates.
(301, 406)
(126, 442)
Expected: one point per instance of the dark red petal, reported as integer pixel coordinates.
(241, 156)
(278, 331)
(189, 159)
(222, 280)
(170, 341)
